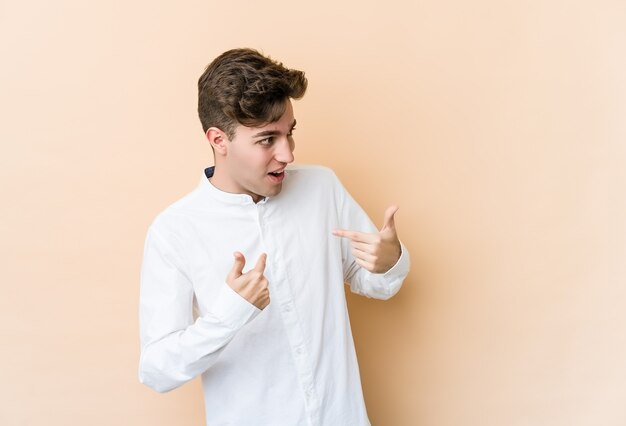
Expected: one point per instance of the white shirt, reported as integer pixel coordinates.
(292, 363)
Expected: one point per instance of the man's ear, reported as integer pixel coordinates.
(218, 140)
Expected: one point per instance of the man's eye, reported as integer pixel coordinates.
(266, 141)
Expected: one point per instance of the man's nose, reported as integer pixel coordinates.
(284, 152)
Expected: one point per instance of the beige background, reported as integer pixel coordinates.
(498, 126)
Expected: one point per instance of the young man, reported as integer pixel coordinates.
(242, 279)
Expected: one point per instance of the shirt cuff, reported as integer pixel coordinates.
(232, 309)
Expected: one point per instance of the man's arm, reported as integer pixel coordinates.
(174, 347)
(375, 262)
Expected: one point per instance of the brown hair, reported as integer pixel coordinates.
(241, 86)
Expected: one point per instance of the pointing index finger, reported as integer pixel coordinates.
(356, 236)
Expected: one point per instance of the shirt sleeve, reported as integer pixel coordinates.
(175, 348)
(361, 281)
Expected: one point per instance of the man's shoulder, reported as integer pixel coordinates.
(312, 172)
(183, 209)
(308, 183)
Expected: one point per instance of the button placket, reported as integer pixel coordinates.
(281, 295)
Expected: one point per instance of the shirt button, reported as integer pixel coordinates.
(299, 350)
(287, 308)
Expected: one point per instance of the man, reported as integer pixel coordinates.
(242, 279)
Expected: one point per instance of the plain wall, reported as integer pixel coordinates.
(498, 127)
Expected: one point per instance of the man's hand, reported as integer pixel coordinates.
(252, 285)
(375, 252)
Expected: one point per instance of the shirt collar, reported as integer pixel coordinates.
(225, 197)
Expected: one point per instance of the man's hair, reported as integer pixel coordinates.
(241, 86)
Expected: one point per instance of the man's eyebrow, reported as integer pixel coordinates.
(272, 132)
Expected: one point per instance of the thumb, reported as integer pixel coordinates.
(389, 221)
(260, 264)
(236, 271)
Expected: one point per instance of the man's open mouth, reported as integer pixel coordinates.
(277, 177)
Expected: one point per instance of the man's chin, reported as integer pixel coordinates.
(274, 191)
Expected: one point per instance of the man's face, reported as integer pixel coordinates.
(257, 156)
